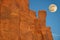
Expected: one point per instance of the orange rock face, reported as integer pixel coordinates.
(18, 22)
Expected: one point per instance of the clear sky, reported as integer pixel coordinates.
(52, 19)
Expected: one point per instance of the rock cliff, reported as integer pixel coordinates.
(18, 22)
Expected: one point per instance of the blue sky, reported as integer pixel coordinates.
(52, 19)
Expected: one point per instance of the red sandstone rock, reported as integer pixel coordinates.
(18, 22)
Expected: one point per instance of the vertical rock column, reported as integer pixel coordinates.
(40, 24)
(42, 19)
(45, 31)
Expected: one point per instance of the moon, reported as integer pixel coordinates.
(52, 8)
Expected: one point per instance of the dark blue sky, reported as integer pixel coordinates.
(53, 19)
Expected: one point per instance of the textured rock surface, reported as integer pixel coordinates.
(18, 22)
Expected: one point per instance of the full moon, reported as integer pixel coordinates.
(52, 8)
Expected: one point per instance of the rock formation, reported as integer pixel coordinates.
(18, 22)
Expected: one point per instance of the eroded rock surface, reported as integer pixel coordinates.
(18, 22)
